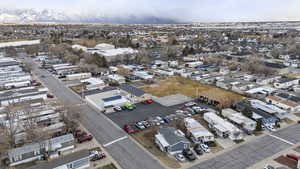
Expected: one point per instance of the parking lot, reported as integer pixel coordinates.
(142, 112)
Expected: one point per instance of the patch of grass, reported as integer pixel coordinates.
(146, 139)
(293, 75)
(78, 88)
(258, 133)
(194, 89)
(287, 120)
(297, 114)
(109, 166)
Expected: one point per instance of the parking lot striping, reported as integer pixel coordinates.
(114, 141)
(281, 139)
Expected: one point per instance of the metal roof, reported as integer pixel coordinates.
(132, 90)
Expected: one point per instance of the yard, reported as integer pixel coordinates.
(146, 139)
(194, 89)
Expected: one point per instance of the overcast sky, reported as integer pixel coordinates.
(187, 10)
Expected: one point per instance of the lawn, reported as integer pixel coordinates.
(194, 89)
(146, 139)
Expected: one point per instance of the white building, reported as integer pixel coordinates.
(239, 119)
(222, 127)
(143, 75)
(271, 109)
(286, 83)
(93, 83)
(78, 76)
(108, 99)
(116, 78)
(198, 133)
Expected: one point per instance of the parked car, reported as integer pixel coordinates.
(117, 108)
(97, 156)
(129, 106)
(189, 154)
(190, 104)
(299, 122)
(293, 157)
(148, 101)
(198, 109)
(166, 120)
(50, 96)
(269, 167)
(146, 124)
(205, 148)
(85, 138)
(180, 157)
(79, 133)
(270, 128)
(198, 149)
(129, 129)
(140, 125)
(160, 120)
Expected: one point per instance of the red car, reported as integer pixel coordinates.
(148, 101)
(84, 138)
(129, 129)
(50, 96)
(293, 157)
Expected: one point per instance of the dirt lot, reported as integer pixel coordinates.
(78, 88)
(110, 166)
(146, 139)
(286, 161)
(192, 89)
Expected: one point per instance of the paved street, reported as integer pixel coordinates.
(125, 152)
(248, 154)
(131, 156)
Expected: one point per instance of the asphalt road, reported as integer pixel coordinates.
(125, 151)
(255, 151)
(130, 156)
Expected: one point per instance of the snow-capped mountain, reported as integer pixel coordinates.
(46, 15)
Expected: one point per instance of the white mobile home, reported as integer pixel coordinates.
(78, 76)
(239, 119)
(222, 127)
(197, 132)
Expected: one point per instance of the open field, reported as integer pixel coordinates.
(194, 89)
(146, 139)
(90, 43)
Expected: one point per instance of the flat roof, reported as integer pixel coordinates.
(62, 160)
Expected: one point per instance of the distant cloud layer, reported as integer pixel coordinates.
(184, 10)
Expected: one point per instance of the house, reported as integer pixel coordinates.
(193, 64)
(267, 80)
(17, 95)
(239, 119)
(78, 76)
(197, 132)
(93, 83)
(227, 83)
(258, 114)
(286, 83)
(166, 72)
(222, 127)
(271, 109)
(143, 75)
(77, 160)
(116, 78)
(285, 101)
(171, 140)
(37, 151)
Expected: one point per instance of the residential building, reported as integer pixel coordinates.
(38, 151)
(239, 119)
(77, 160)
(171, 140)
(197, 132)
(222, 127)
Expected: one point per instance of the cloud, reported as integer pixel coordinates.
(187, 10)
